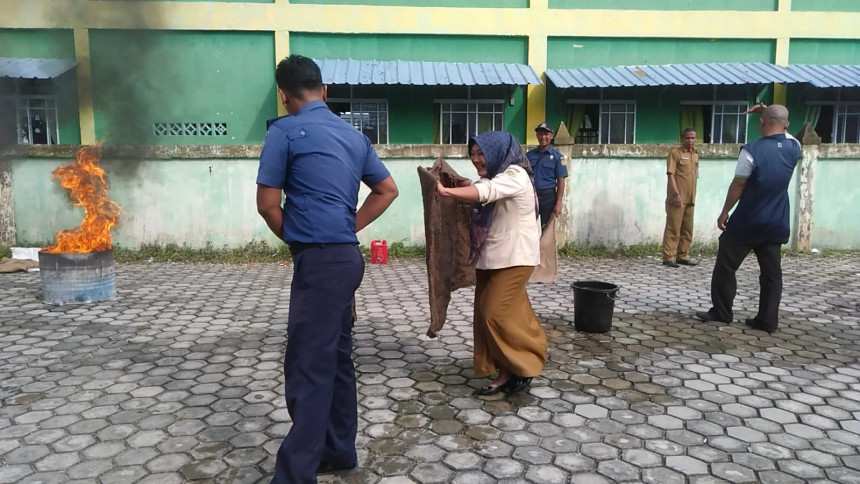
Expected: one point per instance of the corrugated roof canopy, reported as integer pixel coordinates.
(673, 75)
(26, 68)
(356, 72)
(827, 76)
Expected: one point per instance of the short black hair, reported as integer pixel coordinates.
(298, 73)
(687, 130)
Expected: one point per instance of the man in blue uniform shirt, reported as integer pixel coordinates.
(318, 161)
(760, 223)
(549, 171)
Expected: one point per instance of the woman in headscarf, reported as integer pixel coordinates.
(505, 248)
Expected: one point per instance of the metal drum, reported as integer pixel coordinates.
(77, 277)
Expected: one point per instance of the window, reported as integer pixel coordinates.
(461, 120)
(846, 123)
(370, 116)
(617, 123)
(36, 120)
(716, 122)
(607, 122)
(729, 123)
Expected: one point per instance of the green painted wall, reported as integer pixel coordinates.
(824, 51)
(667, 4)
(42, 43)
(140, 78)
(424, 3)
(826, 5)
(37, 43)
(439, 48)
(837, 203)
(568, 52)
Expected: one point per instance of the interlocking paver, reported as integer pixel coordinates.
(179, 379)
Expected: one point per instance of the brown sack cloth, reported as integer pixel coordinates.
(547, 271)
(446, 229)
(17, 265)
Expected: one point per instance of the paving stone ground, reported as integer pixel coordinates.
(179, 379)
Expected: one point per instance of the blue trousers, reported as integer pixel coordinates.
(318, 372)
(546, 202)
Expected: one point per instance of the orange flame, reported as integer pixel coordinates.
(88, 188)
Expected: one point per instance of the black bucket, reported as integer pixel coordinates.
(593, 303)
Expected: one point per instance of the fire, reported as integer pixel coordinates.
(88, 188)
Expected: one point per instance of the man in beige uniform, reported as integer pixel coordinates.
(682, 168)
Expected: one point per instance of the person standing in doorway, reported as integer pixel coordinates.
(682, 171)
(760, 223)
(548, 166)
(318, 161)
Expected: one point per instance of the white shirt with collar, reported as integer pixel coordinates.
(514, 236)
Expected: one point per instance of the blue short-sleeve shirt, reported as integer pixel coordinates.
(319, 160)
(547, 166)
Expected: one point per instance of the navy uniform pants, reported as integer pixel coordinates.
(546, 202)
(724, 283)
(318, 372)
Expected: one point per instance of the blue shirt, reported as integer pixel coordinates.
(547, 166)
(319, 161)
(762, 215)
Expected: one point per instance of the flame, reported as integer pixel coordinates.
(88, 188)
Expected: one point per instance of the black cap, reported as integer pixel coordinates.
(545, 127)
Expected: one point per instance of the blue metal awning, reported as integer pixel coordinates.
(27, 68)
(417, 73)
(827, 75)
(672, 75)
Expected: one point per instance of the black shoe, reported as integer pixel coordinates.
(707, 317)
(686, 262)
(670, 263)
(334, 468)
(759, 325)
(492, 390)
(517, 384)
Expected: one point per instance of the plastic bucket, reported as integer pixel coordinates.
(593, 303)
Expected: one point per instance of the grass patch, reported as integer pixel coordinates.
(576, 251)
(251, 252)
(5, 251)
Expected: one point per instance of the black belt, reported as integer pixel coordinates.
(544, 191)
(296, 247)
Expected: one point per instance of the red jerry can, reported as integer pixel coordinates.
(379, 252)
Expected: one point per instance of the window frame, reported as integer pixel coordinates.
(600, 111)
(353, 100)
(713, 103)
(494, 102)
(838, 136)
(22, 103)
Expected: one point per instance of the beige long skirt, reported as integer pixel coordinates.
(507, 332)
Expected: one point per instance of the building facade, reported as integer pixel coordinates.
(193, 83)
(193, 72)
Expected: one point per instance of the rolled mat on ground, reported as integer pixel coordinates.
(446, 232)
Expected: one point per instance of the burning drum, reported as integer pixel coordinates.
(77, 277)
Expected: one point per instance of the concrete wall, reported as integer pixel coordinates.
(199, 195)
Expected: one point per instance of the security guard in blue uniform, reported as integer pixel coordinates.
(318, 161)
(550, 171)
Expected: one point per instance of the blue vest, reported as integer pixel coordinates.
(762, 215)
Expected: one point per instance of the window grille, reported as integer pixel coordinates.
(36, 121)
(189, 129)
(461, 120)
(617, 122)
(846, 126)
(370, 116)
(729, 123)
